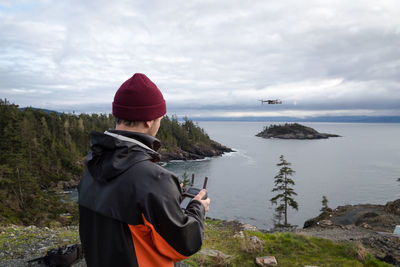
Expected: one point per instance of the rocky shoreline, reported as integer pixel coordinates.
(371, 225)
(195, 152)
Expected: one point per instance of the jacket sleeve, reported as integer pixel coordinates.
(176, 234)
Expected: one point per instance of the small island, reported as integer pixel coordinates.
(293, 131)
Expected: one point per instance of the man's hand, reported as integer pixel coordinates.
(205, 202)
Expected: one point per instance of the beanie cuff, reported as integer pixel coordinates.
(139, 113)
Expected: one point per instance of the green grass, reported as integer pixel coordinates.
(16, 238)
(289, 249)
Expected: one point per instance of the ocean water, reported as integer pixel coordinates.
(362, 166)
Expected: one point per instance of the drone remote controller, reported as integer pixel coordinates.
(190, 192)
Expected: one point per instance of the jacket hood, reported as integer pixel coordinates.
(109, 157)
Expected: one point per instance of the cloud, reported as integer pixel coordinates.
(316, 56)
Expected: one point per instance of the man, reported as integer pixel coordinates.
(129, 206)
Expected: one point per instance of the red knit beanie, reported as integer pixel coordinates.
(138, 99)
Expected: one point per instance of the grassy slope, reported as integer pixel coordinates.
(289, 249)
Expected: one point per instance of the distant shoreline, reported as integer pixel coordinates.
(342, 119)
(338, 119)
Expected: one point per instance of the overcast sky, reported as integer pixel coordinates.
(209, 58)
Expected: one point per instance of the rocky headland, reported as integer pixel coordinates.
(195, 151)
(371, 225)
(293, 131)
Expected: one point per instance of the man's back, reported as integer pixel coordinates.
(129, 207)
(106, 241)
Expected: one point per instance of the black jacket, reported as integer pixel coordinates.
(129, 206)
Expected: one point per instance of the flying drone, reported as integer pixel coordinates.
(271, 102)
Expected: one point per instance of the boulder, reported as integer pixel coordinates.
(256, 241)
(325, 215)
(325, 223)
(252, 245)
(266, 261)
(214, 253)
(310, 223)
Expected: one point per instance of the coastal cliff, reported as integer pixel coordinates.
(293, 131)
(195, 151)
(371, 225)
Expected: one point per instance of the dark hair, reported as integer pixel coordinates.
(125, 122)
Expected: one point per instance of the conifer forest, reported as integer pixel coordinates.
(40, 149)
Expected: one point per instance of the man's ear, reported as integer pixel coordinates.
(148, 124)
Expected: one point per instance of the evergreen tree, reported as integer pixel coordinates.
(39, 150)
(284, 198)
(185, 179)
(324, 204)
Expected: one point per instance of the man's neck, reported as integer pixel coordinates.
(136, 129)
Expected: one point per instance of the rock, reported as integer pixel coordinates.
(256, 241)
(249, 227)
(43, 249)
(384, 246)
(325, 215)
(348, 227)
(181, 264)
(390, 259)
(214, 253)
(310, 223)
(300, 136)
(266, 261)
(325, 223)
(239, 235)
(365, 225)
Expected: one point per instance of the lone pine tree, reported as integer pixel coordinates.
(284, 198)
(324, 203)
